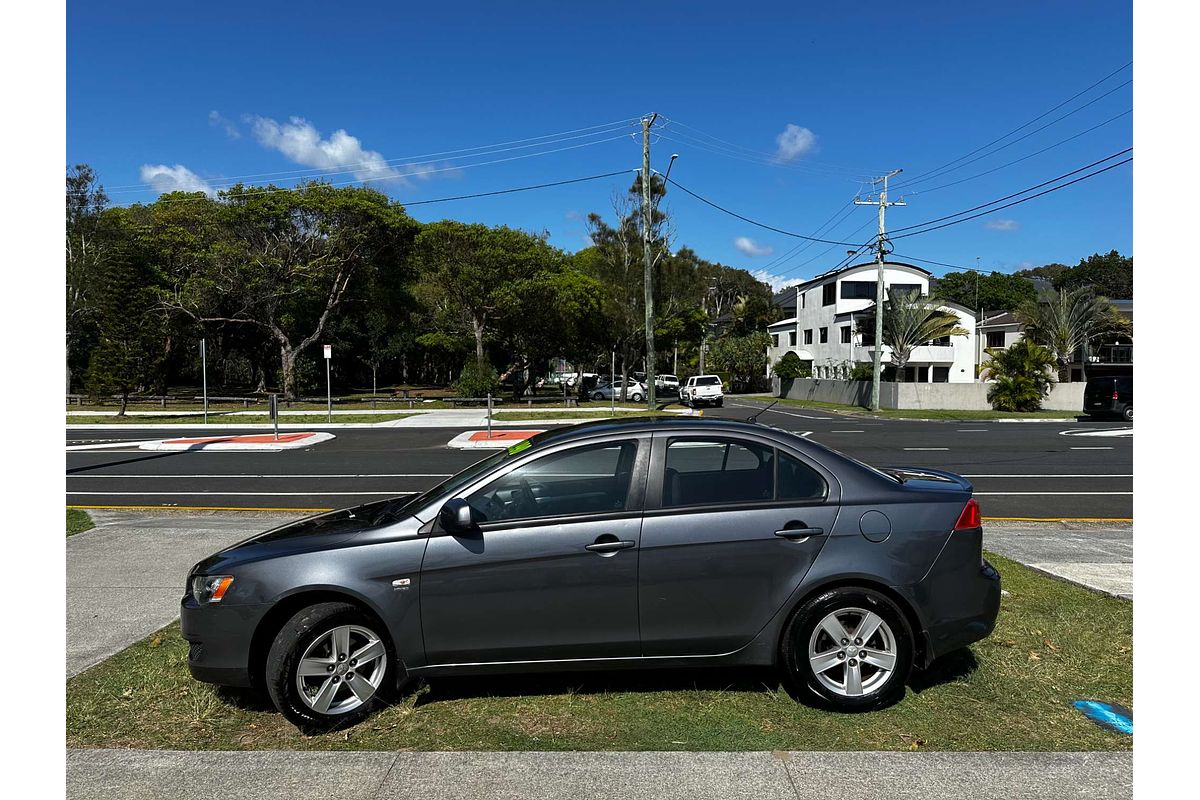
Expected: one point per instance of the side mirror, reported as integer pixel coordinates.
(455, 516)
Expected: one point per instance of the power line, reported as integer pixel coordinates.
(764, 160)
(488, 149)
(1014, 194)
(940, 173)
(1027, 124)
(1023, 158)
(1016, 202)
(753, 222)
(764, 154)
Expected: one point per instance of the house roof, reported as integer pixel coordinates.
(789, 293)
(998, 320)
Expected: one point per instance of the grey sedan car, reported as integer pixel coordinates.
(632, 543)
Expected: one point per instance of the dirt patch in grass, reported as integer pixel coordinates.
(78, 521)
(1054, 643)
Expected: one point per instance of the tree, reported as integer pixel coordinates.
(1021, 375)
(1109, 275)
(465, 268)
(790, 366)
(993, 291)
(85, 250)
(743, 357)
(910, 321)
(288, 261)
(130, 322)
(1063, 321)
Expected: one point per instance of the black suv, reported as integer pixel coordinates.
(1108, 396)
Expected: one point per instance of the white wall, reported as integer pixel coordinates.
(954, 396)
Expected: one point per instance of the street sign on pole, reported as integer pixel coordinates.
(204, 378)
(275, 414)
(328, 385)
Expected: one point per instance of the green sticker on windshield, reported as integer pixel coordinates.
(519, 446)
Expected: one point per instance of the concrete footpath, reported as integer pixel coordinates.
(146, 775)
(1099, 557)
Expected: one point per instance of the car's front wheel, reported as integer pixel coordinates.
(597, 396)
(329, 667)
(851, 647)
(637, 398)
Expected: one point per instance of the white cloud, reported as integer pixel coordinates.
(216, 120)
(174, 179)
(778, 282)
(750, 247)
(794, 142)
(1002, 224)
(301, 142)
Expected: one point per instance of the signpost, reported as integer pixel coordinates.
(328, 385)
(275, 414)
(204, 378)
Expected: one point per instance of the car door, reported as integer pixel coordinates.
(551, 572)
(731, 527)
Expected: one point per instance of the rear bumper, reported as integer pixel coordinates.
(219, 639)
(959, 597)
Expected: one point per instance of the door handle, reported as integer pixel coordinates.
(609, 546)
(799, 533)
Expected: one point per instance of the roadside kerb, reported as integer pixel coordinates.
(241, 443)
(496, 440)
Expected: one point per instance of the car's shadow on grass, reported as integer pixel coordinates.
(947, 669)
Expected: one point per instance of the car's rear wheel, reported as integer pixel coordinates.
(1128, 413)
(720, 403)
(851, 647)
(597, 396)
(637, 398)
(329, 667)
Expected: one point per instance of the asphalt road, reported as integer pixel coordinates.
(1036, 470)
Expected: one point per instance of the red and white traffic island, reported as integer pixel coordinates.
(250, 442)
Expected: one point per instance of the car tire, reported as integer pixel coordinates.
(310, 637)
(849, 683)
(597, 396)
(720, 403)
(1128, 413)
(636, 398)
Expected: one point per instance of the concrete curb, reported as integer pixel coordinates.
(476, 440)
(243, 444)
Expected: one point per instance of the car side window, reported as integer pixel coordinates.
(798, 481)
(582, 480)
(716, 471)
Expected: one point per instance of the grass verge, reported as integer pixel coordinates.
(249, 419)
(926, 413)
(78, 521)
(1054, 643)
(509, 416)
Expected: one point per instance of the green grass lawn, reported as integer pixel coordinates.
(925, 413)
(1054, 643)
(247, 419)
(78, 521)
(504, 416)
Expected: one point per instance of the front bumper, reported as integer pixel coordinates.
(959, 597)
(219, 639)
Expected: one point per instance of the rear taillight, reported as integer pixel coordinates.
(1114, 394)
(970, 516)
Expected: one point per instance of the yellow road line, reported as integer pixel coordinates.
(198, 508)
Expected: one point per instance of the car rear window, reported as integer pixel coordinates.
(708, 381)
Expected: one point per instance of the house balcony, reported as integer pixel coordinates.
(925, 354)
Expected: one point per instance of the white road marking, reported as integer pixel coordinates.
(109, 445)
(847, 431)
(972, 430)
(1098, 432)
(927, 448)
(234, 494)
(1091, 448)
(777, 411)
(389, 475)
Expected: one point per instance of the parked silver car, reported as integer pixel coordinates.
(634, 392)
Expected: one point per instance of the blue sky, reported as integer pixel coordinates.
(803, 99)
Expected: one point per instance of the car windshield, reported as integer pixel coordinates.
(708, 381)
(452, 484)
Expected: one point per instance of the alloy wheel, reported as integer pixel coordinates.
(342, 669)
(852, 652)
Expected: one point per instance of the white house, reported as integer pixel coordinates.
(824, 315)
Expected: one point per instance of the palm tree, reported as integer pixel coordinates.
(910, 321)
(1021, 375)
(1063, 321)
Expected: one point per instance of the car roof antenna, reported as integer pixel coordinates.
(754, 417)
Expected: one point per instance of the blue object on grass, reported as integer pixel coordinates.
(1107, 715)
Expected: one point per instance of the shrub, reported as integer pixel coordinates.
(791, 366)
(1021, 375)
(477, 380)
(862, 372)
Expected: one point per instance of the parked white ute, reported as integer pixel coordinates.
(702, 390)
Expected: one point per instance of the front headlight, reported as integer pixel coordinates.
(210, 588)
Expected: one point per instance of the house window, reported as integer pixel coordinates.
(868, 339)
(995, 339)
(824, 335)
(940, 341)
(774, 340)
(858, 290)
(941, 374)
(829, 294)
(904, 288)
(846, 334)
(803, 298)
(808, 336)
(791, 338)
